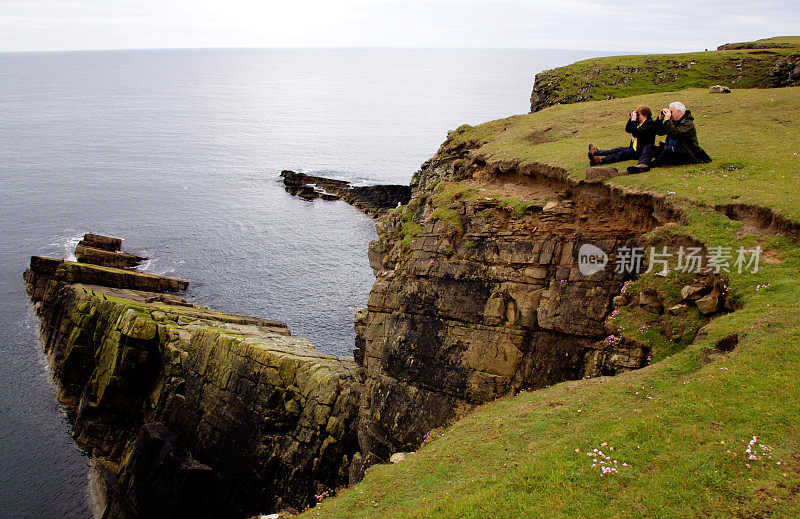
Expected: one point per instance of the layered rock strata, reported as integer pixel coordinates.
(105, 250)
(188, 411)
(480, 294)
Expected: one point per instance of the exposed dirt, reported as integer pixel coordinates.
(541, 136)
(761, 220)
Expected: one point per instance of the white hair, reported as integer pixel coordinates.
(678, 107)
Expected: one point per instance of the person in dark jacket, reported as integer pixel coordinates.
(642, 130)
(681, 146)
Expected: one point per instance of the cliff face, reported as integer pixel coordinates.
(479, 293)
(186, 410)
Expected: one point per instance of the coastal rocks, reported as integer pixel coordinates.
(86, 254)
(477, 297)
(98, 241)
(188, 411)
(43, 269)
(159, 479)
(372, 200)
(105, 251)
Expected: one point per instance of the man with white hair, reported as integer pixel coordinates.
(681, 147)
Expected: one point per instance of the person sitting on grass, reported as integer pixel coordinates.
(642, 130)
(682, 147)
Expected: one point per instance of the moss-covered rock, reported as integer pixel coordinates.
(242, 407)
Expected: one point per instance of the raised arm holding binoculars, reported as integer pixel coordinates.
(681, 146)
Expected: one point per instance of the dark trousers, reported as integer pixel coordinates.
(616, 154)
(663, 155)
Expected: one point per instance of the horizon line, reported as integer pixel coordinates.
(412, 48)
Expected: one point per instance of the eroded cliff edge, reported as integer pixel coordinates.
(479, 293)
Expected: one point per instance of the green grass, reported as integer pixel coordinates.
(623, 76)
(766, 43)
(519, 207)
(751, 135)
(410, 230)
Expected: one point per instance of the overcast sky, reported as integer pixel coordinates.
(624, 25)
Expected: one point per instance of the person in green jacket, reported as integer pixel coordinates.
(681, 146)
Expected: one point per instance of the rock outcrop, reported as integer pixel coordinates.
(190, 412)
(372, 200)
(479, 292)
(105, 250)
(786, 72)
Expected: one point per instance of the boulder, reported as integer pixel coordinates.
(677, 309)
(693, 292)
(651, 301)
(397, 457)
(710, 303)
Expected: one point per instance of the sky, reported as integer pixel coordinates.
(623, 25)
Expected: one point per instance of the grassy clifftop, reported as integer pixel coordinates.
(741, 65)
(704, 432)
(751, 135)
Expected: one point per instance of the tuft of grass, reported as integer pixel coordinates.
(451, 217)
(410, 229)
(519, 207)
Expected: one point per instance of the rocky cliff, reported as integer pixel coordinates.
(479, 293)
(188, 411)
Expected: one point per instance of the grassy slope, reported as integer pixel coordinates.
(622, 76)
(752, 135)
(766, 43)
(682, 424)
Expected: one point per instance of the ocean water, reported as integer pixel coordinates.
(178, 152)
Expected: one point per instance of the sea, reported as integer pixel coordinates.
(179, 153)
